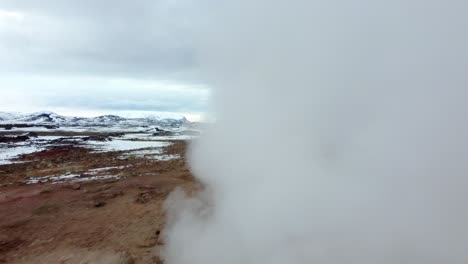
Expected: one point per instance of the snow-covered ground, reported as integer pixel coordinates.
(69, 178)
(52, 178)
(153, 154)
(98, 170)
(125, 145)
(148, 140)
(103, 129)
(132, 145)
(148, 136)
(7, 154)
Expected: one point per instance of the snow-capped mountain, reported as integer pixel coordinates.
(148, 115)
(41, 117)
(55, 120)
(9, 115)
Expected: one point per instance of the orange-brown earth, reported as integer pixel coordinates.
(104, 221)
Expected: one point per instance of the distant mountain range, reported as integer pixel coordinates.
(53, 120)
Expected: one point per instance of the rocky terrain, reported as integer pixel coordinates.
(89, 196)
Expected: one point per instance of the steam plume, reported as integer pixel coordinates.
(341, 135)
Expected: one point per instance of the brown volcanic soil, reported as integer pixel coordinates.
(106, 221)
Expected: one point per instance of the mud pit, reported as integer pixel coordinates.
(72, 204)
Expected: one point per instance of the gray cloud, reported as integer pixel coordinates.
(109, 37)
(137, 41)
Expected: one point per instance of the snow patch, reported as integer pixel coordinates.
(165, 157)
(68, 177)
(153, 154)
(54, 178)
(126, 145)
(98, 170)
(96, 178)
(8, 154)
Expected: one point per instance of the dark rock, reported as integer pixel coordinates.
(99, 203)
(31, 134)
(98, 138)
(163, 133)
(116, 134)
(159, 238)
(11, 139)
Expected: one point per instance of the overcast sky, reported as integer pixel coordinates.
(91, 57)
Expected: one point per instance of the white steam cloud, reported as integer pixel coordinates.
(341, 135)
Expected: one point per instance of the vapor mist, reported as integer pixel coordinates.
(341, 135)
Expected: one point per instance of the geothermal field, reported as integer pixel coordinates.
(294, 132)
(85, 193)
